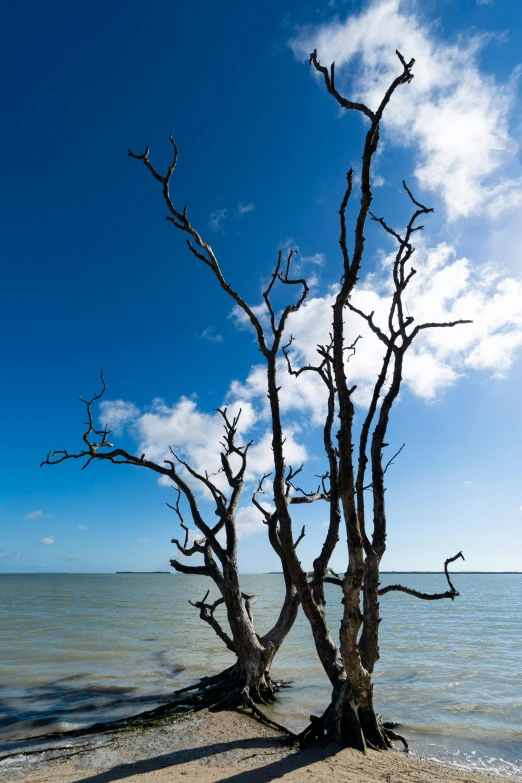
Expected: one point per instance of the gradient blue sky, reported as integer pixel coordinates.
(93, 276)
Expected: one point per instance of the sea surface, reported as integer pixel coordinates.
(80, 648)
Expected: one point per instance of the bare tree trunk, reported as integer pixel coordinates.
(350, 718)
(248, 680)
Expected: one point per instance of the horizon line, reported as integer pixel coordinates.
(243, 573)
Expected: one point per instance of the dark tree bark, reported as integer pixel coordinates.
(350, 718)
(248, 681)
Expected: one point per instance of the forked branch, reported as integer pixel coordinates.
(451, 593)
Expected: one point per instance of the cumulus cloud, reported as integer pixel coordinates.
(48, 540)
(196, 435)
(241, 319)
(455, 116)
(446, 288)
(250, 520)
(117, 414)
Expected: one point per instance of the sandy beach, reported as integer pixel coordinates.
(207, 748)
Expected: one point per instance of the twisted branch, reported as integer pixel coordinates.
(451, 593)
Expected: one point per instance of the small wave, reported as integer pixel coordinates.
(35, 728)
(471, 762)
(466, 707)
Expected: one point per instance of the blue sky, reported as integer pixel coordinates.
(94, 277)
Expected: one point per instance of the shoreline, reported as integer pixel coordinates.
(213, 747)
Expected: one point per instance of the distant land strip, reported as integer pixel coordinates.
(427, 572)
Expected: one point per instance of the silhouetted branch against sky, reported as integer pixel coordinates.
(264, 175)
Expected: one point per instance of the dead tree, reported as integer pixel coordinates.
(350, 718)
(248, 681)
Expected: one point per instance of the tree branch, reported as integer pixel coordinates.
(206, 612)
(329, 80)
(451, 593)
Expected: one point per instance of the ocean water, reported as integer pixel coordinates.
(76, 649)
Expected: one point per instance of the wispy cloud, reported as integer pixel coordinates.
(210, 335)
(142, 540)
(48, 540)
(9, 554)
(216, 219)
(454, 115)
(317, 258)
(81, 527)
(38, 514)
(243, 209)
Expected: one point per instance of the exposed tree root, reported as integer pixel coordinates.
(226, 690)
(260, 715)
(392, 735)
(376, 735)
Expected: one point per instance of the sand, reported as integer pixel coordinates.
(224, 746)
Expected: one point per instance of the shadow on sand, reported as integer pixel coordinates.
(263, 773)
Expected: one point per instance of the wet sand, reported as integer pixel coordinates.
(224, 746)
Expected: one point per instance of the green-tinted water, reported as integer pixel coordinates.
(80, 648)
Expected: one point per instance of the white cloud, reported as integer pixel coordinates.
(316, 258)
(250, 520)
(196, 436)
(243, 209)
(192, 432)
(38, 514)
(455, 116)
(81, 527)
(48, 540)
(9, 554)
(445, 288)
(117, 414)
(216, 219)
(210, 335)
(142, 540)
(134, 549)
(241, 319)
